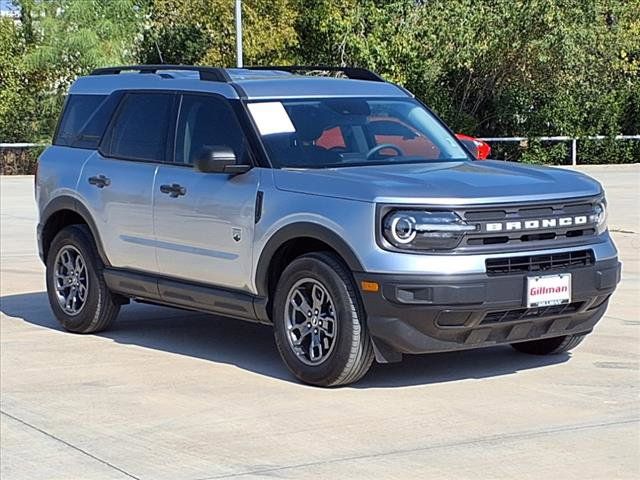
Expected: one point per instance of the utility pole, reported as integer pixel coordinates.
(239, 33)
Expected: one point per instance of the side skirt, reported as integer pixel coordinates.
(191, 296)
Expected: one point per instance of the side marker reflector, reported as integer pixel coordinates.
(369, 286)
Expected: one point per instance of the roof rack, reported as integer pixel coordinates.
(212, 74)
(355, 73)
(216, 74)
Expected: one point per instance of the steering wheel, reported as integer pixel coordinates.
(383, 146)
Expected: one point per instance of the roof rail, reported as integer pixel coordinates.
(355, 73)
(212, 74)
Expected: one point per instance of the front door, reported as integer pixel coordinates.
(204, 222)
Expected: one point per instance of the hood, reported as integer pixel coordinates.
(444, 183)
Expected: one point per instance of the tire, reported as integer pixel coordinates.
(97, 309)
(347, 355)
(549, 346)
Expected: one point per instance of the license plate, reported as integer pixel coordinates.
(547, 290)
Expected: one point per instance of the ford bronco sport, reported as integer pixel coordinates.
(341, 211)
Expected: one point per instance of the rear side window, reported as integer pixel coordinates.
(139, 130)
(93, 130)
(77, 112)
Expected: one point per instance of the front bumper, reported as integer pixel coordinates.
(436, 313)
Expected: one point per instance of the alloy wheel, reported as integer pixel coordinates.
(311, 321)
(71, 280)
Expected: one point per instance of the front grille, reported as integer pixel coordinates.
(539, 263)
(521, 225)
(527, 313)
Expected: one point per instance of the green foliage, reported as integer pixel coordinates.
(552, 153)
(203, 32)
(53, 42)
(17, 98)
(74, 36)
(608, 151)
(487, 67)
(497, 67)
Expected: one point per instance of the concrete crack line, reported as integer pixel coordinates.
(70, 445)
(476, 441)
(621, 230)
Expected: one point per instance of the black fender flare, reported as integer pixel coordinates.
(66, 202)
(297, 230)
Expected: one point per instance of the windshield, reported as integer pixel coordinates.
(347, 132)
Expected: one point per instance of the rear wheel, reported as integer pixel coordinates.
(77, 292)
(549, 346)
(319, 322)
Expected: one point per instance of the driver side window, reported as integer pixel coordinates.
(205, 120)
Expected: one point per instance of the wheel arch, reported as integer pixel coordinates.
(315, 236)
(62, 212)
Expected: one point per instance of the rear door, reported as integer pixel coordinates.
(117, 181)
(205, 231)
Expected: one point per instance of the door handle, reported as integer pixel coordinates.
(100, 181)
(174, 190)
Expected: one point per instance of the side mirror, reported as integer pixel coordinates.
(216, 159)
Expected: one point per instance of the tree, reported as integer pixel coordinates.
(17, 99)
(496, 67)
(52, 43)
(203, 32)
(487, 67)
(74, 36)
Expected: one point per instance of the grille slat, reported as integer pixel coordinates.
(539, 263)
(528, 313)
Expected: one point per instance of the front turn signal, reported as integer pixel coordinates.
(369, 286)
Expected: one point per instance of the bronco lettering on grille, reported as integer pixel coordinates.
(536, 224)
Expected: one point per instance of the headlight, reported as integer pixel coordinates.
(422, 230)
(599, 217)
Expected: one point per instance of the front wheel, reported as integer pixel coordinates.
(549, 346)
(319, 323)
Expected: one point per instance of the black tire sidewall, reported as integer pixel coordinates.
(331, 369)
(79, 238)
(550, 346)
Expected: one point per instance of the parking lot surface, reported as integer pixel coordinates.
(168, 394)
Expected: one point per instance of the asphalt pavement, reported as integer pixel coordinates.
(167, 394)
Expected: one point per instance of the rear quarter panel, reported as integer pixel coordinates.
(58, 172)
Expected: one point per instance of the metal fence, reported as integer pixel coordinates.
(22, 145)
(560, 138)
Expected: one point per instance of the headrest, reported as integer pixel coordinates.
(309, 121)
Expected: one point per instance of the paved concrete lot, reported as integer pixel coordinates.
(173, 395)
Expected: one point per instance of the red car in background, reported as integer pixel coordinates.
(480, 149)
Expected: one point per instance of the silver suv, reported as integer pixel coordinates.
(341, 211)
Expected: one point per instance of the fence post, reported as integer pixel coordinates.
(574, 151)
